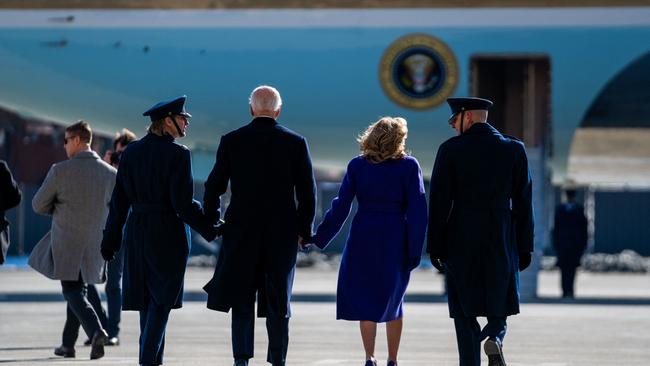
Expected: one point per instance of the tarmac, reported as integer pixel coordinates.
(607, 324)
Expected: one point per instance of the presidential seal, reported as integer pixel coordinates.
(418, 71)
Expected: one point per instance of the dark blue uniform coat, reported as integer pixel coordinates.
(269, 170)
(154, 180)
(480, 218)
(569, 234)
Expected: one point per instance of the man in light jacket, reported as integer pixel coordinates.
(76, 193)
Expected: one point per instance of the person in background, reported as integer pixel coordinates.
(76, 193)
(113, 287)
(10, 197)
(386, 237)
(569, 239)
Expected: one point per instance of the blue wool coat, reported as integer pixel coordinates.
(480, 219)
(154, 182)
(385, 239)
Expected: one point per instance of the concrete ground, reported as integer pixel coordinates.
(614, 331)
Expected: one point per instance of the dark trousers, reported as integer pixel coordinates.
(80, 311)
(243, 330)
(568, 279)
(153, 322)
(96, 301)
(469, 337)
(114, 293)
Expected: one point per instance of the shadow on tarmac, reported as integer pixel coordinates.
(196, 296)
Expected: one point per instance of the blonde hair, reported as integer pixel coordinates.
(384, 140)
(157, 127)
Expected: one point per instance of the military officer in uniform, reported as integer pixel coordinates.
(154, 179)
(569, 239)
(480, 227)
(271, 210)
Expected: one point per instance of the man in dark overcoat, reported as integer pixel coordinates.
(569, 239)
(271, 210)
(10, 197)
(480, 227)
(154, 180)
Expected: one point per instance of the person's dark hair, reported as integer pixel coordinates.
(81, 129)
(570, 194)
(124, 138)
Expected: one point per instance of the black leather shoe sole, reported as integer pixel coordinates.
(495, 354)
(65, 352)
(97, 345)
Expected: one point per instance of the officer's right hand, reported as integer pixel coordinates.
(524, 260)
(437, 263)
(107, 254)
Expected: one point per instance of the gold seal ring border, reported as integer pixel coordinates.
(421, 40)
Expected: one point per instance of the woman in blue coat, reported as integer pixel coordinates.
(387, 233)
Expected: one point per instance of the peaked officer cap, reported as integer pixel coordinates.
(458, 105)
(167, 108)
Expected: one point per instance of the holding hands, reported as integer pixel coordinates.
(305, 244)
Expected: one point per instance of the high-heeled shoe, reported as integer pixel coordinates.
(371, 362)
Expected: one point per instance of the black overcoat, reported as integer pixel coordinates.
(154, 189)
(272, 201)
(569, 234)
(481, 218)
(9, 193)
(10, 197)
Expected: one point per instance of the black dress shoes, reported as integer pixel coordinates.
(241, 362)
(97, 344)
(67, 352)
(493, 350)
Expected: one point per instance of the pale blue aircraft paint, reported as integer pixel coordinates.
(324, 62)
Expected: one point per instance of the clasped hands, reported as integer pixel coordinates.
(305, 244)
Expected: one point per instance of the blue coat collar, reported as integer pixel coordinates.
(153, 136)
(481, 129)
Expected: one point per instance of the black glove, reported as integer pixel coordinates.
(219, 226)
(214, 231)
(437, 263)
(107, 254)
(524, 260)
